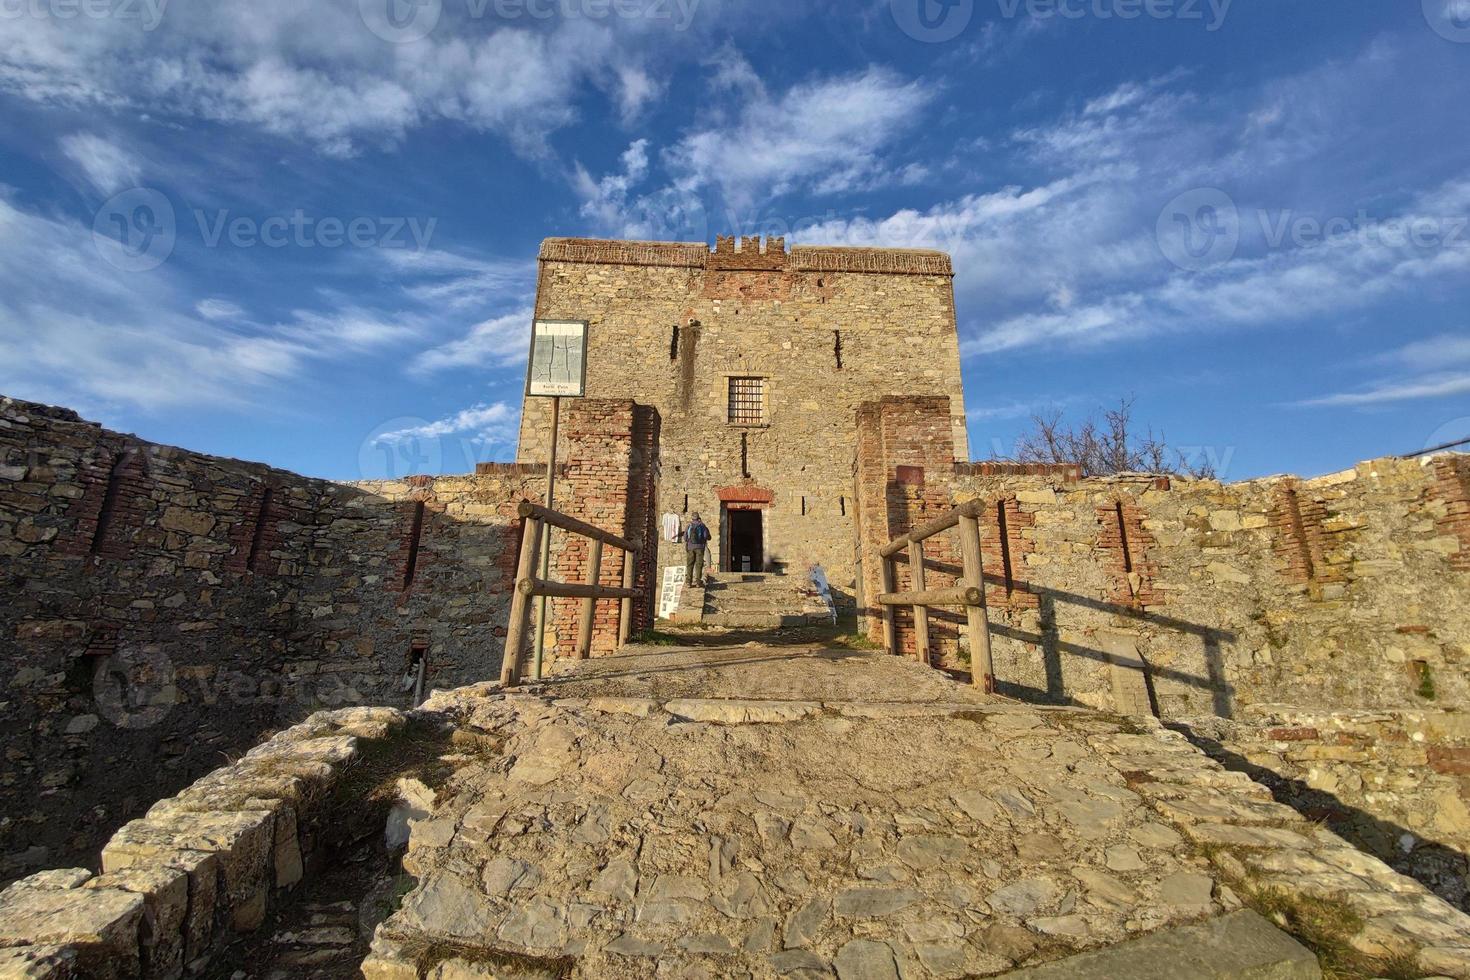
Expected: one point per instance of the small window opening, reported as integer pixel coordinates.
(1005, 546)
(412, 565)
(745, 454)
(109, 502)
(1123, 539)
(803, 506)
(842, 505)
(258, 538)
(674, 345)
(415, 677)
(747, 404)
(686, 503)
(838, 347)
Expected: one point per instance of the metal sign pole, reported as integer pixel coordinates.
(546, 543)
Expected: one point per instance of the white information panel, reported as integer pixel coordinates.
(558, 359)
(673, 591)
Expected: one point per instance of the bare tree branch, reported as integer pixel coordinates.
(1106, 447)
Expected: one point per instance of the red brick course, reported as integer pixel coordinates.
(1452, 486)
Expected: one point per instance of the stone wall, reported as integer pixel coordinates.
(1345, 590)
(1395, 783)
(202, 866)
(166, 605)
(825, 328)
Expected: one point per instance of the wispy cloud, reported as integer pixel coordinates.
(106, 165)
(486, 422)
(1433, 368)
(499, 342)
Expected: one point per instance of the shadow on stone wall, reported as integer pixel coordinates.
(1441, 868)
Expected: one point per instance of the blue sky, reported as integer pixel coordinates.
(304, 233)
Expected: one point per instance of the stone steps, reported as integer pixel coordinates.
(761, 602)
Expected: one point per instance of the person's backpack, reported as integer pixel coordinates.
(698, 535)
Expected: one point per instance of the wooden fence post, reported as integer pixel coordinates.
(520, 604)
(625, 618)
(982, 667)
(589, 605)
(890, 628)
(921, 613)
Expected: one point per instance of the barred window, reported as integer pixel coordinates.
(747, 401)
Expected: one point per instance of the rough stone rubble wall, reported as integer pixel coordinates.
(761, 312)
(1395, 783)
(201, 867)
(221, 600)
(1345, 590)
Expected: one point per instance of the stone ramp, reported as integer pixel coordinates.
(722, 837)
(753, 671)
(809, 812)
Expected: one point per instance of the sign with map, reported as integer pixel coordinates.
(673, 591)
(558, 359)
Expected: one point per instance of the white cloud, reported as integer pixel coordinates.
(1434, 368)
(499, 342)
(314, 72)
(75, 329)
(219, 309)
(106, 165)
(492, 423)
(824, 136)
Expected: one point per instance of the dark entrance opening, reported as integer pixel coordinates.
(746, 551)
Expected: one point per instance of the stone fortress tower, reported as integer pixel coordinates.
(756, 358)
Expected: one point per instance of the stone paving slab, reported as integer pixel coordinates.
(1239, 946)
(642, 842)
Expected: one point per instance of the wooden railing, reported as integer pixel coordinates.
(969, 592)
(537, 520)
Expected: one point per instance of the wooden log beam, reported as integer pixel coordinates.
(921, 614)
(960, 595)
(890, 628)
(589, 604)
(569, 590)
(923, 532)
(625, 614)
(520, 605)
(558, 519)
(982, 666)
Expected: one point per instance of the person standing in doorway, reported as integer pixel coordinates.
(696, 542)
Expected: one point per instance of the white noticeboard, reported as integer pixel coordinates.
(558, 363)
(673, 591)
